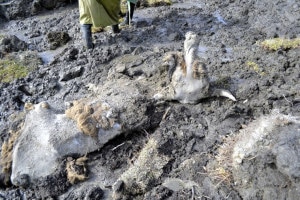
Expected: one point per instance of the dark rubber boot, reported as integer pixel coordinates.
(87, 35)
(129, 15)
(115, 28)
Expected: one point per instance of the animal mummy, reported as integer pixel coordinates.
(189, 81)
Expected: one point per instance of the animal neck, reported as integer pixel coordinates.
(189, 59)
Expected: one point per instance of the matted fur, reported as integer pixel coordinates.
(89, 117)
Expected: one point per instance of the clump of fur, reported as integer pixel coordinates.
(220, 175)
(7, 151)
(146, 170)
(28, 106)
(172, 60)
(76, 169)
(246, 143)
(89, 117)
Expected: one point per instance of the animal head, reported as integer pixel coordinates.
(191, 41)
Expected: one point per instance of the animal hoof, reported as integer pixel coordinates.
(158, 96)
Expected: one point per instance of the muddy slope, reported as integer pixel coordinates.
(185, 138)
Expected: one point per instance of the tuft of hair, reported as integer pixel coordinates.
(89, 117)
(173, 60)
(6, 154)
(76, 169)
(199, 70)
(220, 175)
(238, 146)
(45, 105)
(28, 106)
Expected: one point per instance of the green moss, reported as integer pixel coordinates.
(144, 3)
(11, 70)
(280, 43)
(159, 2)
(255, 67)
(18, 64)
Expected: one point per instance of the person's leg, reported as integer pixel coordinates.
(131, 11)
(86, 23)
(115, 28)
(87, 35)
(129, 14)
(105, 13)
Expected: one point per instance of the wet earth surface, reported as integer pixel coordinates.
(187, 137)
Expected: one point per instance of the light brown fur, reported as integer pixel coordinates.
(89, 117)
(199, 70)
(76, 169)
(6, 154)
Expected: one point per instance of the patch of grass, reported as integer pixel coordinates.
(159, 2)
(143, 3)
(280, 43)
(255, 67)
(18, 65)
(11, 70)
(221, 175)
(150, 3)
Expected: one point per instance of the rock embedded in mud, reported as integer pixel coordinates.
(86, 192)
(46, 137)
(71, 73)
(57, 39)
(12, 43)
(23, 180)
(24, 8)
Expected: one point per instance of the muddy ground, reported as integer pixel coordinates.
(188, 136)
